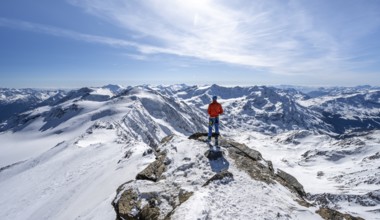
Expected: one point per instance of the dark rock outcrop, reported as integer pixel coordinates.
(246, 151)
(184, 195)
(128, 204)
(147, 197)
(150, 212)
(154, 170)
(127, 207)
(166, 139)
(291, 182)
(251, 161)
(330, 214)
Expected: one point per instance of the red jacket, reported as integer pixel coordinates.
(214, 109)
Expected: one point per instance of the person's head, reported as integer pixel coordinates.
(214, 98)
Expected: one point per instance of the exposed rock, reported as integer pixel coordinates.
(166, 139)
(291, 182)
(320, 173)
(350, 142)
(128, 206)
(183, 196)
(128, 154)
(224, 175)
(244, 150)
(373, 157)
(150, 213)
(330, 214)
(251, 162)
(154, 170)
(200, 136)
(304, 203)
(147, 152)
(154, 199)
(328, 199)
(293, 137)
(270, 166)
(333, 155)
(185, 166)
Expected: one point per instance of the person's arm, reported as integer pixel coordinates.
(221, 110)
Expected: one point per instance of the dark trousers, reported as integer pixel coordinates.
(213, 122)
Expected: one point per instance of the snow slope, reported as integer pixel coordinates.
(324, 165)
(71, 180)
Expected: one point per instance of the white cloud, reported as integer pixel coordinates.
(270, 35)
(60, 32)
(283, 37)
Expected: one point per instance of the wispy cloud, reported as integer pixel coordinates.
(283, 37)
(61, 32)
(279, 36)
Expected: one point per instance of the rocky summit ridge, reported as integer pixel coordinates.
(182, 182)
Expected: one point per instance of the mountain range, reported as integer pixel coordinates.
(287, 153)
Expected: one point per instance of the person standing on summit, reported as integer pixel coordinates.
(214, 110)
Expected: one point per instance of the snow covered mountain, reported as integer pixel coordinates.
(81, 154)
(274, 110)
(13, 101)
(348, 110)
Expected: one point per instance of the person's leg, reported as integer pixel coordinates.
(210, 124)
(216, 130)
(216, 122)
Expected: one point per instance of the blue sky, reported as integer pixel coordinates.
(74, 43)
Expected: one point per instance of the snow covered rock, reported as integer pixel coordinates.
(190, 174)
(256, 166)
(128, 205)
(370, 199)
(154, 171)
(372, 157)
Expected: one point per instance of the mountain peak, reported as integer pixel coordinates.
(114, 88)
